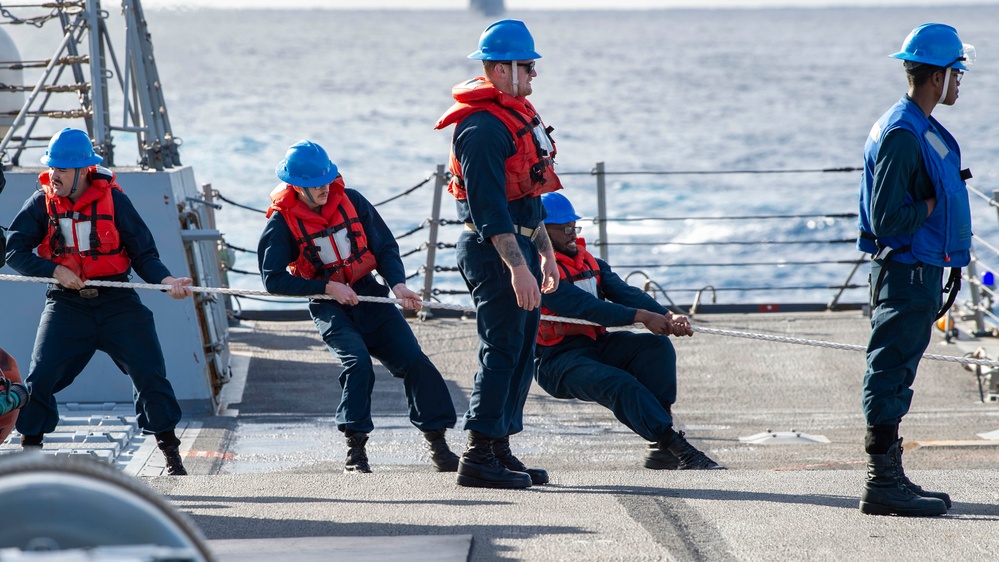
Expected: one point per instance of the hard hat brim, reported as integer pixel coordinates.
(902, 55)
(513, 55)
(311, 183)
(68, 164)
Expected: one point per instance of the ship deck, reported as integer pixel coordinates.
(266, 473)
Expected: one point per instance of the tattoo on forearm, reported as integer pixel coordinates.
(543, 242)
(506, 245)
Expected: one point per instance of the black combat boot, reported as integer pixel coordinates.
(915, 488)
(440, 454)
(32, 442)
(885, 493)
(688, 458)
(658, 458)
(357, 457)
(174, 463)
(479, 467)
(169, 445)
(502, 452)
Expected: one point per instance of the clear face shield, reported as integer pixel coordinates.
(968, 54)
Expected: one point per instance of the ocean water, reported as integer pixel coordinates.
(642, 91)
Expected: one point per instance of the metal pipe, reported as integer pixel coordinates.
(601, 209)
(835, 300)
(976, 299)
(428, 278)
(98, 83)
(697, 299)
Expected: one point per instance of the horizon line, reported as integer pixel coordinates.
(554, 5)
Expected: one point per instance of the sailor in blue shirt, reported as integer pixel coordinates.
(915, 221)
(502, 159)
(321, 238)
(79, 320)
(632, 374)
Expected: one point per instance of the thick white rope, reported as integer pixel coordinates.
(445, 306)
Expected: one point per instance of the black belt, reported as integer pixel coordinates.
(86, 292)
(531, 233)
(91, 292)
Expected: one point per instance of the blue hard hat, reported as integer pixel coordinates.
(70, 148)
(506, 40)
(306, 164)
(559, 209)
(936, 44)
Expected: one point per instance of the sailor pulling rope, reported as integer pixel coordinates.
(459, 308)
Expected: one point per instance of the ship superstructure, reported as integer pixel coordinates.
(87, 80)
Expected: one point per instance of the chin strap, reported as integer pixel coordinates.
(513, 69)
(76, 181)
(943, 94)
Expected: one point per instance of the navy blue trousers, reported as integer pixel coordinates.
(506, 336)
(71, 330)
(357, 333)
(631, 374)
(901, 326)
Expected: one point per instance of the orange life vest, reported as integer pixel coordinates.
(529, 172)
(82, 235)
(332, 245)
(573, 270)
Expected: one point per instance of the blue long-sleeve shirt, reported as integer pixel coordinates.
(277, 249)
(621, 300)
(482, 144)
(30, 227)
(898, 171)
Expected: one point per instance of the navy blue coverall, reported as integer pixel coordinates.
(482, 144)
(73, 328)
(632, 374)
(902, 320)
(355, 334)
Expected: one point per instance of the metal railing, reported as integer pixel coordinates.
(436, 275)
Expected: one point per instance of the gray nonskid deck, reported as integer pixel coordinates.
(775, 502)
(270, 467)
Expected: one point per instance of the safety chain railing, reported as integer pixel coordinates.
(429, 268)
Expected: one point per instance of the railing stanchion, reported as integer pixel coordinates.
(976, 298)
(835, 300)
(435, 219)
(601, 209)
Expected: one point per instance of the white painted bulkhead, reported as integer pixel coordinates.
(156, 195)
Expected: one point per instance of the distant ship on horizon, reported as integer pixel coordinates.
(488, 7)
